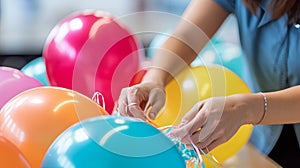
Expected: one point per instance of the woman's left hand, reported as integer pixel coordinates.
(213, 121)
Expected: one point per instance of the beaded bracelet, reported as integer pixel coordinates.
(265, 107)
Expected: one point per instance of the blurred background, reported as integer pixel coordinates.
(25, 24)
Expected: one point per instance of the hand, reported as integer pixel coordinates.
(137, 100)
(213, 121)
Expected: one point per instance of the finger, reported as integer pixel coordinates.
(133, 106)
(115, 109)
(202, 144)
(209, 129)
(134, 110)
(213, 145)
(156, 101)
(191, 126)
(210, 147)
(190, 114)
(122, 103)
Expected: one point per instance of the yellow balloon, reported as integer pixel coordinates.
(199, 83)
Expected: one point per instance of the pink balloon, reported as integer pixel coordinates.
(91, 52)
(13, 82)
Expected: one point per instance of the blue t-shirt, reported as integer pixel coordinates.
(272, 50)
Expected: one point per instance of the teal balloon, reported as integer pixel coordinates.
(216, 51)
(113, 142)
(36, 69)
(156, 43)
(223, 53)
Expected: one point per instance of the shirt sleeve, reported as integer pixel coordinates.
(228, 5)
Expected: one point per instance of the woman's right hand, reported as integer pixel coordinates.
(137, 100)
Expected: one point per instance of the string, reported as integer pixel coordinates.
(97, 100)
(198, 151)
(191, 161)
(213, 157)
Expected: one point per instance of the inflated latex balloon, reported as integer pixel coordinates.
(190, 153)
(223, 53)
(10, 155)
(13, 82)
(33, 119)
(111, 141)
(91, 51)
(36, 69)
(199, 83)
(138, 77)
(156, 43)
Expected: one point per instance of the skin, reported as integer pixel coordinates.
(213, 121)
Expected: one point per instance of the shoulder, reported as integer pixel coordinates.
(231, 6)
(228, 5)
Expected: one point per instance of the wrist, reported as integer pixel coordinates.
(248, 106)
(156, 76)
(242, 107)
(256, 108)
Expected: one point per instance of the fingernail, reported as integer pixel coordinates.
(152, 115)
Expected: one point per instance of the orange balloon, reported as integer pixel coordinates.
(33, 119)
(10, 156)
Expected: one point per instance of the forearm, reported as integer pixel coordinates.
(169, 60)
(195, 28)
(176, 53)
(283, 107)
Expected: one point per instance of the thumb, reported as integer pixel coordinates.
(156, 101)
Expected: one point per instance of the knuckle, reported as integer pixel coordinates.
(124, 90)
(133, 91)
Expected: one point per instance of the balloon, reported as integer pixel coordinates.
(156, 43)
(190, 154)
(90, 51)
(216, 51)
(199, 83)
(222, 53)
(13, 82)
(36, 69)
(10, 156)
(112, 141)
(33, 119)
(138, 77)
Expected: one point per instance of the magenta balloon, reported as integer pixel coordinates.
(89, 52)
(13, 82)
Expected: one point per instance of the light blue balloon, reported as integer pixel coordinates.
(156, 43)
(113, 142)
(37, 69)
(225, 54)
(231, 56)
